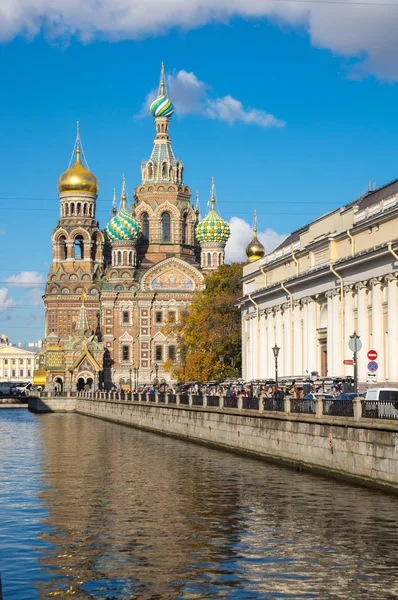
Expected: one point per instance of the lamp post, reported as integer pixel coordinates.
(156, 373)
(275, 350)
(355, 345)
(131, 381)
(136, 377)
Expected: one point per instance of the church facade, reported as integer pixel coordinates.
(111, 291)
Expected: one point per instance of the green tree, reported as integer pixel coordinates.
(209, 332)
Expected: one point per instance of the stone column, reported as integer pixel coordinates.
(337, 335)
(270, 342)
(392, 329)
(279, 336)
(330, 333)
(349, 326)
(312, 335)
(297, 339)
(287, 339)
(363, 328)
(305, 335)
(263, 346)
(377, 325)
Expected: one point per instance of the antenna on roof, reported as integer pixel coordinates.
(374, 185)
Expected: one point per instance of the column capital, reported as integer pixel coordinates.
(307, 300)
(376, 281)
(286, 306)
(349, 289)
(332, 293)
(361, 285)
(391, 277)
(297, 303)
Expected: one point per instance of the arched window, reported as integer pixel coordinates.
(119, 258)
(165, 227)
(79, 248)
(78, 208)
(66, 207)
(184, 229)
(94, 246)
(145, 226)
(164, 170)
(150, 170)
(85, 209)
(72, 208)
(208, 259)
(63, 255)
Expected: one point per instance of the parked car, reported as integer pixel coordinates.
(381, 403)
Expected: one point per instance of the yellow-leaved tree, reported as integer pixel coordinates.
(209, 333)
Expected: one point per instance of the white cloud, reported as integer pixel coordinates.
(5, 301)
(192, 96)
(242, 234)
(352, 29)
(26, 279)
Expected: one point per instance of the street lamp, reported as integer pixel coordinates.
(355, 345)
(275, 350)
(156, 373)
(136, 377)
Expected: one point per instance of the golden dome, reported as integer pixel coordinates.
(255, 249)
(78, 179)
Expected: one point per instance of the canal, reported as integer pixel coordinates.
(95, 510)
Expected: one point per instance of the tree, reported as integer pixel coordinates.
(208, 334)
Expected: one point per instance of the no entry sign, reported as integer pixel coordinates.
(372, 355)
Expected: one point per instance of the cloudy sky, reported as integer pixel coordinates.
(290, 104)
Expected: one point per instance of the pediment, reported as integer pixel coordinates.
(173, 275)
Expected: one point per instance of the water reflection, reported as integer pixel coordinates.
(135, 515)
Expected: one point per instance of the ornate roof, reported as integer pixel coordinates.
(122, 226)
(212, 228)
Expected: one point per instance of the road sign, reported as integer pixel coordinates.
(355, 344)
(372, 355)
(371, 377)
(372, 366)
(348, 361)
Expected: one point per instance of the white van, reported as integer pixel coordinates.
(381, 403)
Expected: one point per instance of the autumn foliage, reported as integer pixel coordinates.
(209, 333)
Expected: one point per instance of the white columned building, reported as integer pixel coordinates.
(335, 276)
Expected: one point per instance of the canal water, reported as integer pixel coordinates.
(90, 509)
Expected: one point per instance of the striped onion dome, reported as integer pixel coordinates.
(162, 107)
(212, 228)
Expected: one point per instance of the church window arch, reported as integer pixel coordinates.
(63, 253)
(184, 228)
(78, 208)
(145, 226)
(119, 257)
(164, 170)
(66, 210)
(85, 209)
(72, 208)
(208, 259)
(94, 245)
(79, 248)
(150, 170)
(166, 227)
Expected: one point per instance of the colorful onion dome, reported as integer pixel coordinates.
(78, 179)
(255, 249)
(212, 228)
(122, 227)
(162, 106)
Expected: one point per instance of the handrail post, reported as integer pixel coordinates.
(204, 399)
(261, 403)
(357, 409)
(156, 397)
(190, 400)
(178, 398)
(287, 405)
(240, 402)
(318, 408)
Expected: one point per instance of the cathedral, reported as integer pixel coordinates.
(111, 291)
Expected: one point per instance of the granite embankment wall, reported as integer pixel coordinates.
(363, 452)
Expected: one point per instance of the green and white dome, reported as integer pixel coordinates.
(122, 227)
(212, 228)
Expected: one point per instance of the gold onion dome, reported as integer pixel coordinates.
(78, 179)
(255, 249)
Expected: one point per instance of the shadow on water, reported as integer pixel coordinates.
(122, 513)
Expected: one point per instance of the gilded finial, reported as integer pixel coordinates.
(255, 223)
(83, 297)
(114, 210)
(161, 83)
(213, 195)
(124, 193)
(78, 148)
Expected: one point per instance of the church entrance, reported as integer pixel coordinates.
(84, 384)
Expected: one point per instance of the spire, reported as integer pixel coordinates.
(213, 195)
(78, 148)
(114, 210)
(162, 85)
(255, 223)
(197, 210)
(82, 325)
(124, 193)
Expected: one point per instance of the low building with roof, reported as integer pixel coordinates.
(16, 363)
(331, 278)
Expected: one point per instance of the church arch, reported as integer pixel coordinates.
(145, 225)
(184, 228)
(166, 227)
(78, 248)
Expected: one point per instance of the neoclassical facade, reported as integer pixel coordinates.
(16, 364)
(328, 279)
(111, 291)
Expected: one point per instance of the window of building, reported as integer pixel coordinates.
(29, 361)
(165, 227)
(13, 372)
(184, 229)
(125, 353)
(159, 353)
(62, 247)
(172, 316)
(126, 317)
(21, 361)
(6, 361)
(158, 316)
(78, 248)
(29, 373)
(21, 372)
(145, 226)
(13, 361)
(172, 352)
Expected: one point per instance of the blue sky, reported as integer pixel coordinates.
(339, 132)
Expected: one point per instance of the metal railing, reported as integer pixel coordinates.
(318, 408)
(379, 409)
